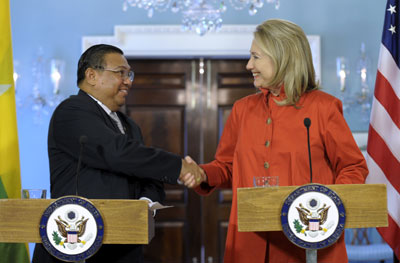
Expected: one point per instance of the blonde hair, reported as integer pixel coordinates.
(288, 47)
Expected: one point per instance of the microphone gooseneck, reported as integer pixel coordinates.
(307, 123)
(82, 140)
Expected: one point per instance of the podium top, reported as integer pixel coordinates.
(259, 208)
(125, 221)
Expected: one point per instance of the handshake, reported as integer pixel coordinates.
(191, 174)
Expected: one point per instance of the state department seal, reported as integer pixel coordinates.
(71, 229)
(313, 216)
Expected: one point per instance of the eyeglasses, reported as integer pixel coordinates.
(125, 74)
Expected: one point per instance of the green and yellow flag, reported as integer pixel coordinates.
(10, 180)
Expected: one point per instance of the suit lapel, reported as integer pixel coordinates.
(96, 107)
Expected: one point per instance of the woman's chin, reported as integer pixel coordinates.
(257, 85)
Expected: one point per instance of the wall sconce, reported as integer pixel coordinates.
(16, 77)
(343, 72)
(56, 74)
(37, 99)
(363, 95)
(44, 96)
(361, 98)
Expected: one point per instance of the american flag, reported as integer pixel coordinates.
(383, 149)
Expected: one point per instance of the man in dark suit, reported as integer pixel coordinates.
(115, 162)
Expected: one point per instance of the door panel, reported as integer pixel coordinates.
(229, 82)
(157, 102)
(158, 124)
(182, 106)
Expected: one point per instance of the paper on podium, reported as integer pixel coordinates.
(156, 206)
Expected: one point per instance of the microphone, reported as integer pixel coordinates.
(307, 123)
(82, 140)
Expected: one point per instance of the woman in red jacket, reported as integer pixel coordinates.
(265, 136)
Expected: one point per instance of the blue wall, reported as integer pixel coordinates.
(58, 26)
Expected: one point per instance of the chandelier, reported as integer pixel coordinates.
(200, 16)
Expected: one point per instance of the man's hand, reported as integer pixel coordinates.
(191, 174)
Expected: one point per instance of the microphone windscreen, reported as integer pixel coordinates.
(307, 122)
(83, 139)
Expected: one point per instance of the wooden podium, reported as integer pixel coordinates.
(125, 221)
(259, 208)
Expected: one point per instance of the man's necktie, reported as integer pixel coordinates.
(115, 118)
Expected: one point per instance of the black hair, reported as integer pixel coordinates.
(94, 57)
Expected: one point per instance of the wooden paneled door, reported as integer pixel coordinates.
(181, 106)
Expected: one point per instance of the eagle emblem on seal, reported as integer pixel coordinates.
(312, 216)
(313, 219)
(71, 232)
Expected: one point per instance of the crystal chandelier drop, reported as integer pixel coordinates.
(200, 16)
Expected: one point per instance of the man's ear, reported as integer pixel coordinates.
(91, 76)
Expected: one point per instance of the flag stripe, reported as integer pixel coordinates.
(387, 130)
(389, 69)
(391, 235)
(393, 195)
(387, 98)
(382, 155)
